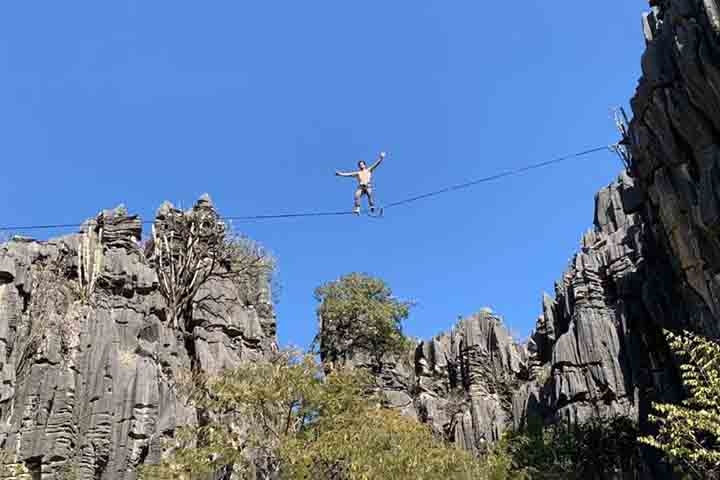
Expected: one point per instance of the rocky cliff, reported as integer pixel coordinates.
(651, 261)
(90, 349)
(88, 353)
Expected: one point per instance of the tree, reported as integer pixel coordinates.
(284, 419)
(358, 314)
(249, 411)
(378, 443)
(189, 249)
(689, 433)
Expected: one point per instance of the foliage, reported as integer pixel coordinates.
(377, 443)
(9, 466)
(199, 452)
(358, 313)
(283, 417)
(543, 374)
(595, 449)
(689, 433)
(190, 249)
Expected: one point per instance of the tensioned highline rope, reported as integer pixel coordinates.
(508, 173)
(405, 201)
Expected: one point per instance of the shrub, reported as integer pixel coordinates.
(689, 433)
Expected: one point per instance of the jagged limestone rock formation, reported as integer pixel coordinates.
(598, 349)
(465, 380)
(652, 261)
(88, 353)
(460, 383)
(675, 149)
(89, 358)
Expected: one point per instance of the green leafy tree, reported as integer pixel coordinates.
(689, 433)
(249, 412)
(285, 419)
(376, 443)
(359, 314)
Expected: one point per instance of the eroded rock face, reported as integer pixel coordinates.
(89, 378)
(460, 383)
(674, 143)
(598, 349)
(465, 380)
(91, 383)
(652, 261)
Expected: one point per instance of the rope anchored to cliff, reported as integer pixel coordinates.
(497, 176)
(381, 209)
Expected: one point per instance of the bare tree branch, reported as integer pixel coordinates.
(191, 248)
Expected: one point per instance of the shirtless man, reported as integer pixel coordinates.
(364, 176)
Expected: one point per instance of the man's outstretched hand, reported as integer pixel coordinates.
(382, 154)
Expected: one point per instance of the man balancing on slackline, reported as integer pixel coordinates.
(364, 176)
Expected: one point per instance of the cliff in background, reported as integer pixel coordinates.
(652, 261)
(91, 381)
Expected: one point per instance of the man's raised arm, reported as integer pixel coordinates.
(378, 161)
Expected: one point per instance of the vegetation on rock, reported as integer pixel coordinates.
(285, 418)
(359, 315)
(190, 249)
(689, 433)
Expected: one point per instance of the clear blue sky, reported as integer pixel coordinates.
(258, 103)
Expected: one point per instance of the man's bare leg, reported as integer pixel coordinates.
(371, 202)
(358, 194)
